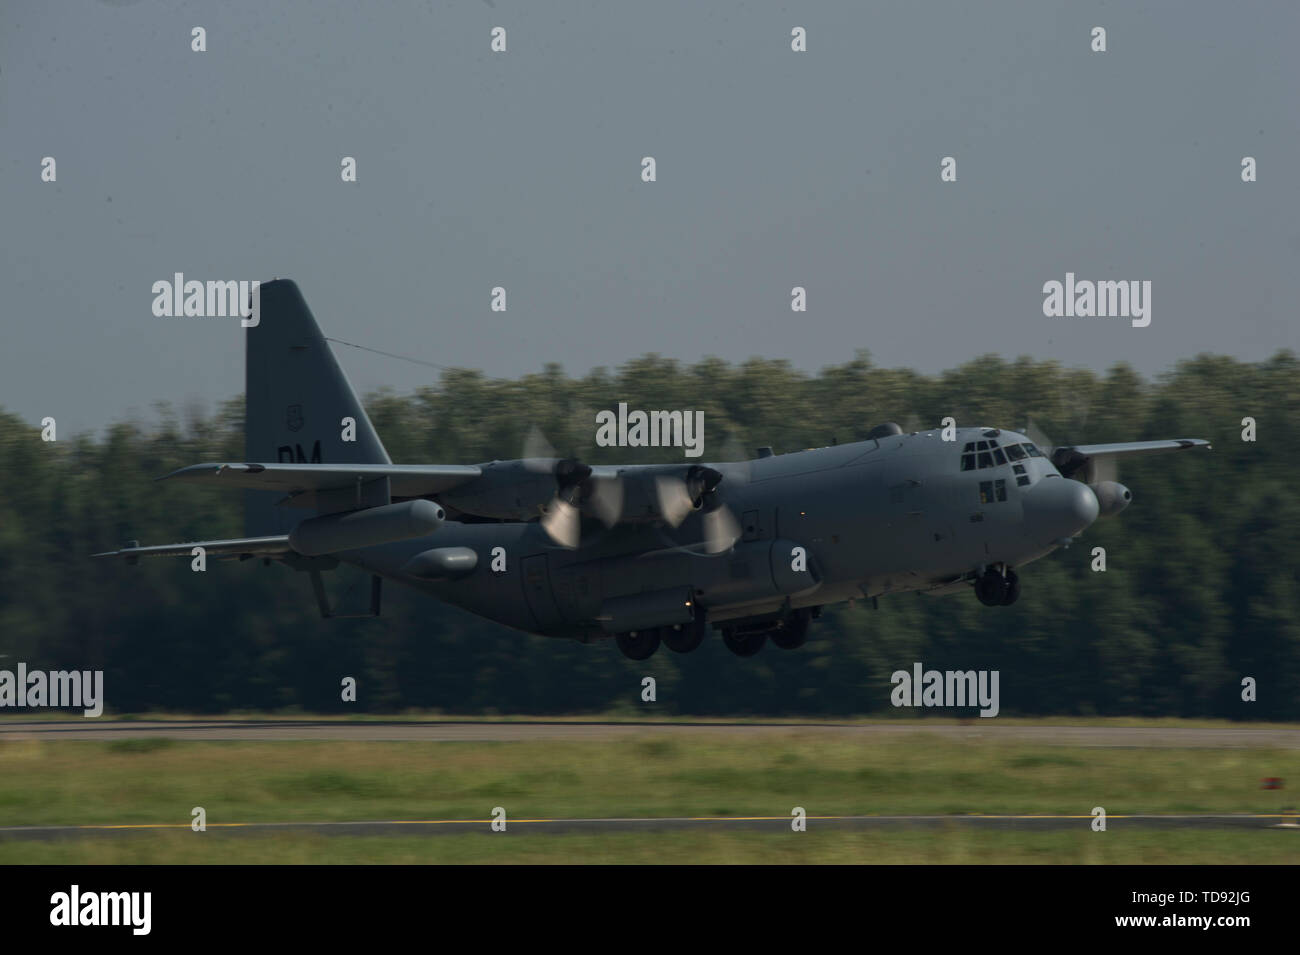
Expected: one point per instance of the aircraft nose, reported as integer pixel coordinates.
(1059, 507)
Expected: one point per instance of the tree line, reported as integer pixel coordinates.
(1201, 589)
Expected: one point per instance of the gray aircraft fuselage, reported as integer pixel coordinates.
(890, 514)
(650, 554)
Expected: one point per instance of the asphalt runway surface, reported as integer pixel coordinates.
(408, 827)
(447, 731)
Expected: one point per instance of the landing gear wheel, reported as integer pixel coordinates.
(638, 644)
(1013, 588)
(743, 644)
(684, 639)
(793, 632)
(991, 588)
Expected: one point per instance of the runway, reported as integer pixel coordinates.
(524, 730)
(407, 827)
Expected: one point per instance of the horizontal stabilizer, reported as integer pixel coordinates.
(405, 480)
(237, 547)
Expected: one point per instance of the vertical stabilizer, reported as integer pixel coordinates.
(296, 400)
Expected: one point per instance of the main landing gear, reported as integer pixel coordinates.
(788, 633)
(744, 639)
(998, 588)
(638, 644)
(791, 632)
(682, 638)
(743, 643)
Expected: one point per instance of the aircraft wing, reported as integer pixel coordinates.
(405, 480)
(1071, 459)
(1140, 447)
(274, 546)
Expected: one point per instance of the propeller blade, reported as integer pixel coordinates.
(1039, 437)
(675, 500)
(1104, 467)
(562, 522)
(538, 454)
(721, 530)
(606, 499)
(739, 457)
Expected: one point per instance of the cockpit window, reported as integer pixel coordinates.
(976, 455)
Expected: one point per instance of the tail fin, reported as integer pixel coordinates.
(296, 398)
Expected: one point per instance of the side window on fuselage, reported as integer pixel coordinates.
(993, 491)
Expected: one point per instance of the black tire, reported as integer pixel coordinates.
(1013, 589)
(638, 644)
(794, 633)
(744, 644)
(991, 588)
(684, 640)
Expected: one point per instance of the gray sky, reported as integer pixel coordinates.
(775, 169)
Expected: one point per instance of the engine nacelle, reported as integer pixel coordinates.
(1112, 497)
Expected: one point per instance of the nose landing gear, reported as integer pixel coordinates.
(998, 588)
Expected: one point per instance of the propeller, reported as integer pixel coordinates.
(579, 488)
(1096, 470)
(1038, 436)
(697, 490)
(678, 496)
(721, 529)
(576, 485)
(561, 518)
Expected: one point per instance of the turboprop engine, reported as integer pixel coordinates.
(1112, 497)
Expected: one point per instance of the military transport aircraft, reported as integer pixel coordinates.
(648, 554)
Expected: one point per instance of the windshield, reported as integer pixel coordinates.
(976, 455)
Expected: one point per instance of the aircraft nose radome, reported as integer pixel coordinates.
(1059, 507)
